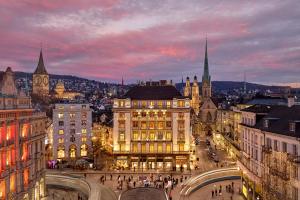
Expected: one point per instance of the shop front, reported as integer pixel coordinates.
(182, 163)
(250, 190)
(122, 162)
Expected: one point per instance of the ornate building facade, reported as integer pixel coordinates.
(40, 78)
(22, 134)
(61, 93)
(152, 128)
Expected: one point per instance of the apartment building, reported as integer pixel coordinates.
(152, 128)
(72, 130)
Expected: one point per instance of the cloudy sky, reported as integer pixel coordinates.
(154, 39)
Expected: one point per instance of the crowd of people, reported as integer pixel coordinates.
(217, 191)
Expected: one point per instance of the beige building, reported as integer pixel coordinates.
(61, 93)
(152, 128)
(22, 134)
(40, 79)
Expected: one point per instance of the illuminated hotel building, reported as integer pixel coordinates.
(22, 134)
(152, 128)
(72, 130)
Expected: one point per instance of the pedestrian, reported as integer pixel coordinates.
(220, 192)
(110, 176)
(170, 195)
(212, 193)
(226, 188)
(216, 192)
(134, 184)
(124, 177)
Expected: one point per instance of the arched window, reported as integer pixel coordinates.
(209, 117)
(60, 152)
(83, 150)
(72, 151)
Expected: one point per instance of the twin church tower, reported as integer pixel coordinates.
(197, 102)
(40, 78)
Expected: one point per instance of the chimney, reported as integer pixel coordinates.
(291, 101)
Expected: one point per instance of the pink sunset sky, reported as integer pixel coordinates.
(154, 39)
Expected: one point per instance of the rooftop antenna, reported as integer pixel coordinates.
(245, 83)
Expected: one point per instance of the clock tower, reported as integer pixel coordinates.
(40, 78)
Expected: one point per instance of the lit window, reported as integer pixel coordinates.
(83, 131)
(168, 104)
(72, 115)
(143, 147)
(60, 152)
(144, 104)
(122, 136)
(60, 131)
(160, 135)
(144, 135)
(60, 140)
(159, 148)
(180, 103)
(160, 104)
(151, 148)
(135, 148)
(160, 125)
(72, 151)
(152, 135)
(169, 135)
(83, 150)
(60, 115)
(83, 139)
(135, 135)
(151, 125)
(168, 148)
(181, 147)
(143, 125)
(292, 126)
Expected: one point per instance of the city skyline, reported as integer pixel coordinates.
(152, 40)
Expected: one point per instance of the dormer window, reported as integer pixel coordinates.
(292, 126)
(266, 123)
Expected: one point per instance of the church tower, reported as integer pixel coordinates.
(187, 88)
(40, 78)
(195, 104)
(206, 83)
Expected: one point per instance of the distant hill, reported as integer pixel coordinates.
(235, 85)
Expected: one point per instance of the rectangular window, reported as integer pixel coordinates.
(159, 148)
(284, 147)
(122, 136)
(135, 148)
(83, 139)
(135, 124)
(122, 147)
(84, 131)
(168, 114)
(275, 145)
(60, 115)
(160, 104)
(168, 135)
(121, 103)
(168, 104)
(295, 151)
(160, 125)
(143, 125)
(72, 115)
(135, 135)
(151, 125)
(181, 147)
(152, 135)
(135, 114)
(72, 131)
(144, 135)
(151, 148)
(168, 148)
(121, 115)
(83, 122)
(60, 140)
(181, 103)
(122, 124)
(143, 147)
(160, 114)
(160, 135)
(143, 114)
(144, 104)
(60, 131)
(60, 123)
(169, 124)
(292, 126)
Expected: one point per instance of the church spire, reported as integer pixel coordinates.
(206, 76)
(40, 69)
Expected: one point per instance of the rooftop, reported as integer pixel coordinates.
(153, 92)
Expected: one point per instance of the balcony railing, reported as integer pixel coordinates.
(294, 158)
(282, 174)
(267, 149)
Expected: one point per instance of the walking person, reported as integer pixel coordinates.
(212, 193)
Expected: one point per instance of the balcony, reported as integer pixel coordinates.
(294, 158)
(275, 172)
(267, 149)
